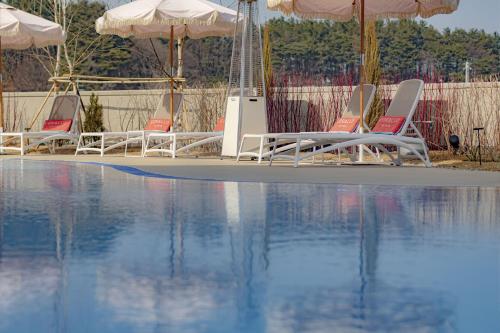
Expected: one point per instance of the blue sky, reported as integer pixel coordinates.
(479, 14)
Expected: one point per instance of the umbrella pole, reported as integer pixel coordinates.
(172, 77)
(361, 73)
(1, 88)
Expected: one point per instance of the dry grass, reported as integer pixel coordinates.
(444, 159)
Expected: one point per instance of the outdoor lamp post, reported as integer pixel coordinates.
(478, 130)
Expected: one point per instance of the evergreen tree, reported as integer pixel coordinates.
(93, 116)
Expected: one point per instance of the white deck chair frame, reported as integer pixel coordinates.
(112, 140)
(265, 147)
(167, 143)
(343, 141)
(17, 141)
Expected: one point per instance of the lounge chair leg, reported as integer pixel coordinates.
(22, 145)
(143, 143)
(102, 146)
(426, 154)
(297, 154)
(174, 146)
(78, 145)
(126, 146)
(273, 152)
(1, 141)
(261, 149)
(241, 147)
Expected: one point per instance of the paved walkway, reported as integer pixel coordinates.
(229, 170)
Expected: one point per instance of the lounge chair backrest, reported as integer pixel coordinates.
(219, 126)
(163, 111)
(405, 102)
(352, 109)
(67, 107)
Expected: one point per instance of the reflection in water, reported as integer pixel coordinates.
(86, 248)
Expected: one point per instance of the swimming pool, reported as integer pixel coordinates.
(87, 248)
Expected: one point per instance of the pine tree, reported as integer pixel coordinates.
(93, 116)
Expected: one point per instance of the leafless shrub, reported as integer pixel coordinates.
(140, 108)
(298, 103)
(13, 113)
(203, 108)
(474, 105)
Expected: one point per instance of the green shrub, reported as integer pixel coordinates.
(93, 116)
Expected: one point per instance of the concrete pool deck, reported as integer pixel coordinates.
(229, 170)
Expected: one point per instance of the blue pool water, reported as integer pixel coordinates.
(87, 248)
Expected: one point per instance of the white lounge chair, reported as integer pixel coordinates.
(63, 123)
(393, 129)
(167, 143)
(348, 123)
(111, 140)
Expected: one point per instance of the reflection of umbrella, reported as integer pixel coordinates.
(372, 305)
(386, 308)
(24, 281)
(344, 10)
(20, 30)
(152, 18)
(145, 300)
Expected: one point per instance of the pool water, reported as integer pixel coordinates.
(87, 248)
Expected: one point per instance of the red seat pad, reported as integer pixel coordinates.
(157, 125)
(345, 124)
(57, 125)
(219, 126)
(389, 124)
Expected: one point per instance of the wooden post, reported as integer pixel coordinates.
(172, 77)
(1, 88)
(361, 75)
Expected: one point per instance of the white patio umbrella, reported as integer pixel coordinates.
(169, 19)
(345, 10)
(21, 30)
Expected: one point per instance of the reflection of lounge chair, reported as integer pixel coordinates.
(167, 143)
(62, 124)
(391, 129)
(348, 123)
(111, 140)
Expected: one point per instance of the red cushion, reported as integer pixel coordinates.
(158, 125)
(389, 124)
(345, 124)
(57, 125)
(219, 126)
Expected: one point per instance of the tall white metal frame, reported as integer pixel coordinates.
(246, 95)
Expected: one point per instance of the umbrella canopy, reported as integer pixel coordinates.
(344, 10)
(21, 30)
(154, 18)
(171, 19)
